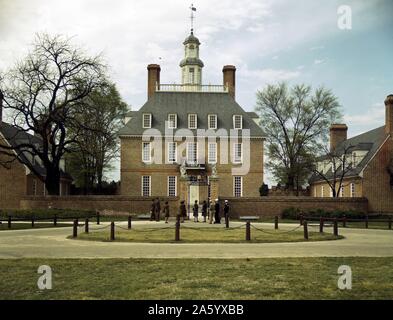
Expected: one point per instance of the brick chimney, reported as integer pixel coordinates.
(153, 78)
(1, 107)
(389, 114)
(338, 134)
(229, 73)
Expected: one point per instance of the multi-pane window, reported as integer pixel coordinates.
(237, 186)
(146, 120)
(192, 152)
(146, 152)
(212, 121)
(172, 186)
(146, 186)
(237, 152)
(237, 121)
(172, 121)
(212, 152)
(192, 121)
(352, 190)
(172, 152)
(342, 191)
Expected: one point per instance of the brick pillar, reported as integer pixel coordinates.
(229, 73)
(214, 189)
(389, 114)
(153, 78)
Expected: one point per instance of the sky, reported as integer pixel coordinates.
(268, 41)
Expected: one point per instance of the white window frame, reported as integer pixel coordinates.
(142, 186)
(189, 121)
(143, 152)
(169, 152)
(215, 121)
(170, 122)
(236, 159)
(169, 187)
(196, 152)
(353, 190)
(143, 120)
(235, 194)
(342, 192)
(209, 159)
(234, 121)
(322, 191)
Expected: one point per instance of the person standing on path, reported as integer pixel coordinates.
(152, 210)
(204, 210)
(217, 216)
(182, 211)
(226, 210)
(195, 210)
(166, 211)
(158, 209)
(211, 211)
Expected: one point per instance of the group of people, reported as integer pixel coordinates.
(209, 210)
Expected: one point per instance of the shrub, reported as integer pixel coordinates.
(47, 213)
(294, 213)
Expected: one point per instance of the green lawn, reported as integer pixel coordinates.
(280, 278)
(27, 225)
(203, 234)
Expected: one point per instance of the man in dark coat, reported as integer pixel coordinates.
(166, 211)
(226, 210)
(158, 209)
(204, 210)
(182, 211)
(152, 210)
(217, 217)
(195, 211)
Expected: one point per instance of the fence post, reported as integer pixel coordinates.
(55, 220)
(75, 229)
(390, 223)
(248, 231)
(301, 219)
(129, 222)
(305, 229)
(9, 222)
(276, 222)
(321, 223)
(112, 231)
(344, 221)
(335, 227)
(177, 230)
(98, 217)
(32, 222)
(226, 221)
(366, 222)
(87, 225)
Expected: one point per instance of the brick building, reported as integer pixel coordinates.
(191, 141)
(371, 160)
(16, 180)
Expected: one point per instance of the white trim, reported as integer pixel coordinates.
(352, 190)
(149, 195)
(196, 120)
(322, 192)
(241, 186)
(234, 153)
(208, 153)
(143, 152)
(175, 186)
(196, 151)
(234, 121)
(208, 121)
(169, 121)
(143, 120)
(168, 152)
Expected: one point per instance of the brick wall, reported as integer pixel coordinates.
(120, 204)
(272, 206)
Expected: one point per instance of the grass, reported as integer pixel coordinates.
(356, 225)
(279, 278)
(204, 235)
(37, 225)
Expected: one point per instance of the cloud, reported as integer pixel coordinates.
(319, 61)
(374, 116)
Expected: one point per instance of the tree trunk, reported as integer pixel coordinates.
(52, 181)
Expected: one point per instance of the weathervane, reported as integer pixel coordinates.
(192, 8)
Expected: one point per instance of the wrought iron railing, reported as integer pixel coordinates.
(191, 88)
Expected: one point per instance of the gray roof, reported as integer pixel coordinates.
(369, 141)
(15, 136)
(191, 39)
(183, 103)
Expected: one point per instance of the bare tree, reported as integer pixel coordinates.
(42, 95)
(333, 168)
(296, 122)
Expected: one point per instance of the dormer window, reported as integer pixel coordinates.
(212, 121)
(237, 121)
(192, 121)
(172, 121)
(146, 121)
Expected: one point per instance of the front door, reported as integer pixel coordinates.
(194, 195)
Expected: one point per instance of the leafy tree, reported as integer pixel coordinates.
(42, 94)
(296, 122)
(94, 150)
